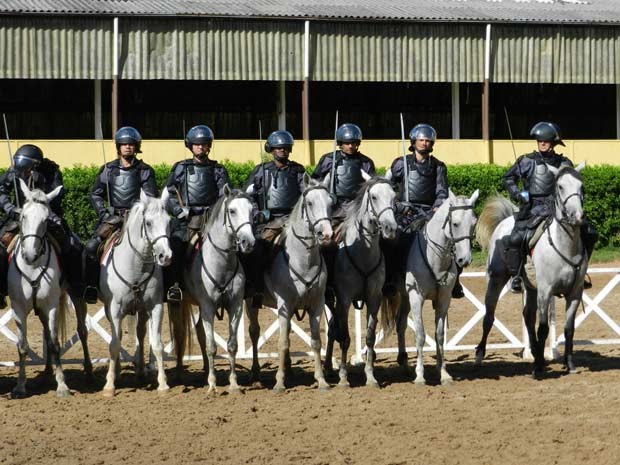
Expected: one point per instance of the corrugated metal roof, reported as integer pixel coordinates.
(536, 11)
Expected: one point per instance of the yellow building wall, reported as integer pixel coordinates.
(69, 153)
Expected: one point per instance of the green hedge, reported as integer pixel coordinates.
(602, 184)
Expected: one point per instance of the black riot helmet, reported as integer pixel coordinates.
(279, 139)
(547, 132)
(348, 132)
(128, 135)
(422, 131)
(200, 134)
(27, 157)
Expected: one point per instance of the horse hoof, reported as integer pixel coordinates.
(278, 389)
(163, 391)
(109, 392)
(447, 382)
(344, 384)
(15, 394)
(62, 393)
(324, 388)
(372, 385)
(419, 382)
(235, 390)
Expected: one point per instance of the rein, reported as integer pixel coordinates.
(35, 283)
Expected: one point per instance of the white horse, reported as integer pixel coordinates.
(217, 280)
(444, 243)
(297, 277)
(34, 282)
(131, 282)
(559, 258)
(359, 271)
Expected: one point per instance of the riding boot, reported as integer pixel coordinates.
(91, 275)
(457, 290)
(329, 255)
(4, 271)
(514, 261)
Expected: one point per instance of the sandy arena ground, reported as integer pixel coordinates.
(495, 414)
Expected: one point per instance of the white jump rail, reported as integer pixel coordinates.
(592, 306)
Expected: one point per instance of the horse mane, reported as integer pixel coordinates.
(217, 206)
(568, 170)
(496, 208)
(354, 207)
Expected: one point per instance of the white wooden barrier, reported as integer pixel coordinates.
(592, 306)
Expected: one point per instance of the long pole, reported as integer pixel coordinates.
(262, 162)
(8, 142)
(405, 167)
(333, 170)
(107, 173)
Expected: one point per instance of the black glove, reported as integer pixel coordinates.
(15, 213)
(55, 219)
(106, 213)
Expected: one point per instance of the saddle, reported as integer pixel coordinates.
(104, 248)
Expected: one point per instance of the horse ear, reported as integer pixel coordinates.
(226, 190)
(451, 195)
(307, 180)
(388, 175)
(53, 194)
(25, 190)
(474, 197)
(365, 175)
(327, 181)
(144, 198)
(580, 166)
(554, 170)
(165, 195)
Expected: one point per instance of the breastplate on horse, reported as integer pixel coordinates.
(282, 189)
(422, 180)
(124, 188)
(348, 177)
(199, 188)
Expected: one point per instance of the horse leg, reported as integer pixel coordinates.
(158, 346)
(254, 331)
(441, 313)
(21, 325)
(342, 326)
(416, 301)
(233, 326)
(529, 316)
(495, 285)
(53, 351)
(572, 304)
(202, 342)
(542, 333)
(332, 328)
(109, 389)
(139, 355)
(207, 312)
(178, 336)
(372, 310)
(284, 318)
(81, 311)
(315, 339)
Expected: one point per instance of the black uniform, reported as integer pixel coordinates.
(124, 190)
(276, 191)
(198, 185)
(348, 176)
(532, 171)
(46, 177)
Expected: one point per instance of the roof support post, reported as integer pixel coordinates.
(115, 79)
(282, 105)
(485, 93)
(617, 111)
(456, 111)
(305, 94)
(97, 109)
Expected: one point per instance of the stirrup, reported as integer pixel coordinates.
(2, 302)
(174, 294)
(91, 294)
(587, 283)
(516, 286)
(457, 291)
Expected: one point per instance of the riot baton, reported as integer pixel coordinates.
(107, 177)
(514, 152)
(333, 170)
(8, 142)
(405, 167)
(262, 164)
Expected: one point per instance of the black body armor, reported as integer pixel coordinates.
(124, 188)
(422, 181)
(283, 189)
(348, 177)
(199, 188)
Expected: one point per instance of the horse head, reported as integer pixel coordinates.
(379, 197)
(238, 213)
(155, 226)
(459, 224)
(316, 208)
(568, 194)
(33, 221)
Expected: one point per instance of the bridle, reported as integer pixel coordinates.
(42, 243)
(561, 203)
(376, 219)
(310, 242)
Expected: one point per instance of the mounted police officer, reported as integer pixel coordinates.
(426, 182)
(350, 163)
(194, 186)
(39, 173)
(275, 187)
(536, 196)
(118, 185)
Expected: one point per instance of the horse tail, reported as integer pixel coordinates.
(180, 327)
(389, 312)
(495, 210)
(63, 308)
